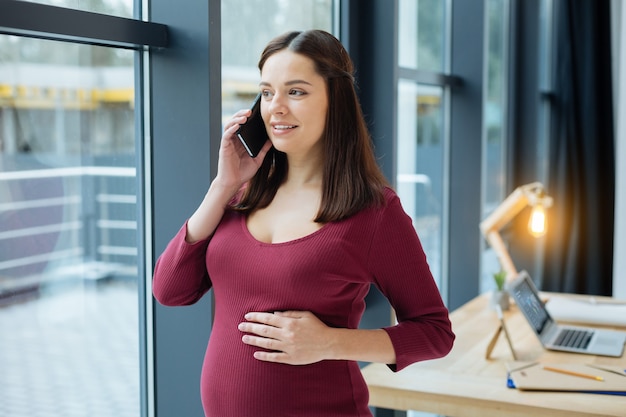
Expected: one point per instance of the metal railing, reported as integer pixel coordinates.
(66, 223)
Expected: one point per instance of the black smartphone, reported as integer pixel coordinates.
(252, 134)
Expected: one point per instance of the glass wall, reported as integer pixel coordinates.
(421, 164)
(495, 123)
(421, 152)
(422, 141)
(422, 35)
(68, 236)
(121, 8)
(422, 144)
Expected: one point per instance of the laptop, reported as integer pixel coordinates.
(560, 337)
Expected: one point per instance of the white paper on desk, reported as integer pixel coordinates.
(582, 311)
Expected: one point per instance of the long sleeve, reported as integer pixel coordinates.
(401, 272)
(180, 274)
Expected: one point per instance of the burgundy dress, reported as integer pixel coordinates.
(329, 273)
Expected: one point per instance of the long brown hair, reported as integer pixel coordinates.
(352, 179)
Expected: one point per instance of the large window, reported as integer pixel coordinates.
(72, 288)
(68, 241)
(421, 121)
(421, 152)
(122, 8)
(495, 110)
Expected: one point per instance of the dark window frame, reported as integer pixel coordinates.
(22, 18)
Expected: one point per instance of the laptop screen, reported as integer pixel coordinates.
(528, 301)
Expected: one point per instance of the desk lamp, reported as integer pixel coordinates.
(533, 195)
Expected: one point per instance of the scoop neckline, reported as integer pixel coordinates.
(250, 236)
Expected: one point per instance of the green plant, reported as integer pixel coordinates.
(500, 279)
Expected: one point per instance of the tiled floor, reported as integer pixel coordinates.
(72, 352)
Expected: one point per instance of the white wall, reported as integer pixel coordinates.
(619, 251)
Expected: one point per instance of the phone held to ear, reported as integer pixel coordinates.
(252, 134)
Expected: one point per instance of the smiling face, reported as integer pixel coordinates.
(294, 105)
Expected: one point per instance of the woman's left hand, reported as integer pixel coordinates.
(291, 337)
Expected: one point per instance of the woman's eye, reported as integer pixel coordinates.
(266, 93)
(296, 92)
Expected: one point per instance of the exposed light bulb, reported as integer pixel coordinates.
(537, 222)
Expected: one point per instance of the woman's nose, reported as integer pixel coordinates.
(277, 105)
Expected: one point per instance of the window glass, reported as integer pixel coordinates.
(494, 111)
(68, 234)
(421, 140)
(247, 26)
(121, 8)
(420, 164)
(422, 35)
(421, 124)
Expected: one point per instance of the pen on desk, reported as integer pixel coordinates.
(567, 372)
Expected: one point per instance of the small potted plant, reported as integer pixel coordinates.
(500, 295)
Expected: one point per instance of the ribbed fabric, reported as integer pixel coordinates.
(329, 273)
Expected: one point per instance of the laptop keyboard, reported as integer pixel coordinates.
(573, 338)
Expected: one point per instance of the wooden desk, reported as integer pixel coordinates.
(465, 384)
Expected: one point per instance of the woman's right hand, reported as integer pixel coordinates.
(235, 167)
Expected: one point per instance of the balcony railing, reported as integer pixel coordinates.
(65, 223)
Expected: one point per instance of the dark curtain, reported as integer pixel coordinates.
(579, 244)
